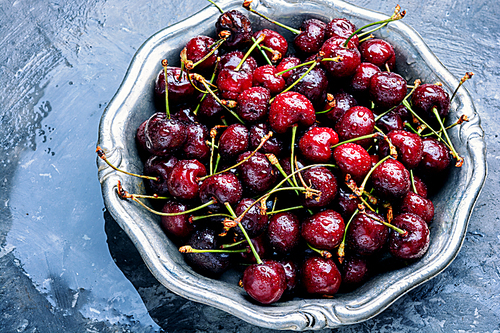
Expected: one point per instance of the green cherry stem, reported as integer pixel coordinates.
(263, 52)
(413, 182)
(466, 77)
(284, 210)
(246, 5)
(460, 160)
(377, 135)
(254, 45)
(189, 249)
(164, 63)
(292, 154)
(216, 5)
(341, 249)
(102, 156)
(226, 246)
(201, 217)
(324, 253)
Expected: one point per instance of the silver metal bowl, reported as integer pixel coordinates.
(133, 103)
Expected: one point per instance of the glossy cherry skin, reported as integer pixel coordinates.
(273, 145)
(257, 173)
(224, 187)
(311, 38)
(183, 180)
(253, 221)
(414, 203)
(264, 76)
(343, 102)
(354, 270)
(350, 58)
(260, 245)
(209, 263)
(356, 122)
(320, 277)
(140, 140)
(366, 235)
(420, 186)
(415, 244)
(435, 158)
(427, 96)
(283, 232)
(353, 159)
(378, 52)
(159, 167)
(164, 136)
(238, 25)
(273, 40)
(360, 81)
(387, 89)
(253, 104)
(315, 144)
(233, 141)
(232, 59)
(390, 122)
(180, 89)
(409, 147)
(391, 179)
(177, 226)
(323, 180)
(195, 146)
(291, 273)
(288, 109)
(324, 230)
(265, 282)
(232, 83)
(346, 203)
(210, 108)
(197, 48)
(285, 64)
(343, 28)
(313, 85)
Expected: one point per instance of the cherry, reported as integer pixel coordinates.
(291, 273)
(238, 25)
(264, 76)
(387, 89)
(415, 244)
(343, 102)
(378, 52)
(343, 28)
(354, 270)
(320, 276)
(164, 136)
(253, 104)
(210, 107)
(265, 282)
(140, 140)
(197, 48)
(357, 121)
(321, 179)
(209, 264)
(179, 87)
(253, 221)
(224, 187)
(272, 145)
(391, 179)
(360, 81)
(273, 40)
(195, 146)
(177, 226)
(315, 144)
(350, 58)
(435, 158)
(232, 83)
(232, 59)
(283, 232)
(414, 203)
(311, 37)
(313, 85)
(260, 246)
(324, 230)
(183, 180)
(159, 167)
(366, 235)
(403, 112)
(429, 96)
(389, 122)
(285, 64)
(353, 159)
(233, 141)
(346, 203)
(420, 187)
(288, 109)
(257, 173)
(185, 114)
(408, 145)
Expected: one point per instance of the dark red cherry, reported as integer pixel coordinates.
(353, 159)
(324, 230)
(356, 122)
(288, 109)
(408, 145)
(253, 104)
(283, 232)
(320, 178)
(238, 25)
(360, 81)
(260, 245)
(177, 226)
(254, 222)
(387, 89)
(436, 156)
(429, 96)
(315, 144)
(343, 102)
(391, 179)
(195, 146)
(320, 277)
(265, 282)
(233, 141)
(224, 187)
(343, 28)
(285, 64)
(291, 273)
(420, 186)
(160, 167)
(140, 140)
(414, 203)
(273, 40)
(197, 48)
(366, 235)
(232, 83)
(180, 89)
(183, 180)
(257, 173)
(415, 244)
(378, 52)
(350, 58)
(185, 114)
(313, 85)
(311, 37)
(346, 203)
(209, 263)
(264, 76)
(354, 270)
(164, 136)
(210, 107)
(272, 145)
(232, 59)
(390, 122)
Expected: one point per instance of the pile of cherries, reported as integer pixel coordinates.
(305, 168)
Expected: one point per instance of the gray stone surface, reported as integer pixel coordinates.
(65, 265)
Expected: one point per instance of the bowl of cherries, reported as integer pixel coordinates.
(300, 164)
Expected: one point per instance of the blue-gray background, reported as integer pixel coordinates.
(65, 265)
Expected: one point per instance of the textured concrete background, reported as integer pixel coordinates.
(65, 265)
